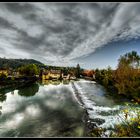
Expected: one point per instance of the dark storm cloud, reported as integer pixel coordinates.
(61, 32)
(5, 24)
(20, 8)
(29, 43)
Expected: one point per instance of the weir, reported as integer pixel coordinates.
(103, 112)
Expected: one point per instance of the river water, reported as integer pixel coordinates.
(58, 109)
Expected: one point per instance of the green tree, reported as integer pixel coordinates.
(78, 71)
(29, 70)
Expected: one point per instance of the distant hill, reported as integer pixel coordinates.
(15, 63)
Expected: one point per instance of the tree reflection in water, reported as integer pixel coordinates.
(54, 82)
(2, 97)
(30, 90)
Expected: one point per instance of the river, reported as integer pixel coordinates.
(59, 109)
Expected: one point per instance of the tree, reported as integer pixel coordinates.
(125, 79)
(78, 71)
(131, 59)
(29, 70)
(127, 75)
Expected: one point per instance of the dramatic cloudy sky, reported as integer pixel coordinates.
(91, 34)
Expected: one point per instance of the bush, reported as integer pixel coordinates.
(128, 128)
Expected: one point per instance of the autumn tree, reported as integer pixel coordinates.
(127, 75)
(131, 60)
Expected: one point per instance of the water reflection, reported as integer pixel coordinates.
(49, 111)
(9, 89)
(2, 97)
(54, 82)
(30, 90)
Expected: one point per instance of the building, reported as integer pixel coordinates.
(15, 73)
(65, 77)
(88, 74)
(45, 75)
(4, 71)
(55, 74)
(51, 74)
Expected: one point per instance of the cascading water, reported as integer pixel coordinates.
(102, 111)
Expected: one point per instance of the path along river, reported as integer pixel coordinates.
(59, 109)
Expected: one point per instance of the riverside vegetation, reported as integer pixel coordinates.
(125, 82)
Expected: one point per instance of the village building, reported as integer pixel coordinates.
(10, 73)
(89, 74)
(51, 74)
(15, 73)
(3, 71)
(66, 77)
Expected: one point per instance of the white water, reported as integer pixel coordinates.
(100, 107)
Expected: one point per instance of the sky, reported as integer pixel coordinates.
(65, 34)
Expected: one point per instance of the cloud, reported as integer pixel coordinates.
(60, 33)
(20, 8)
